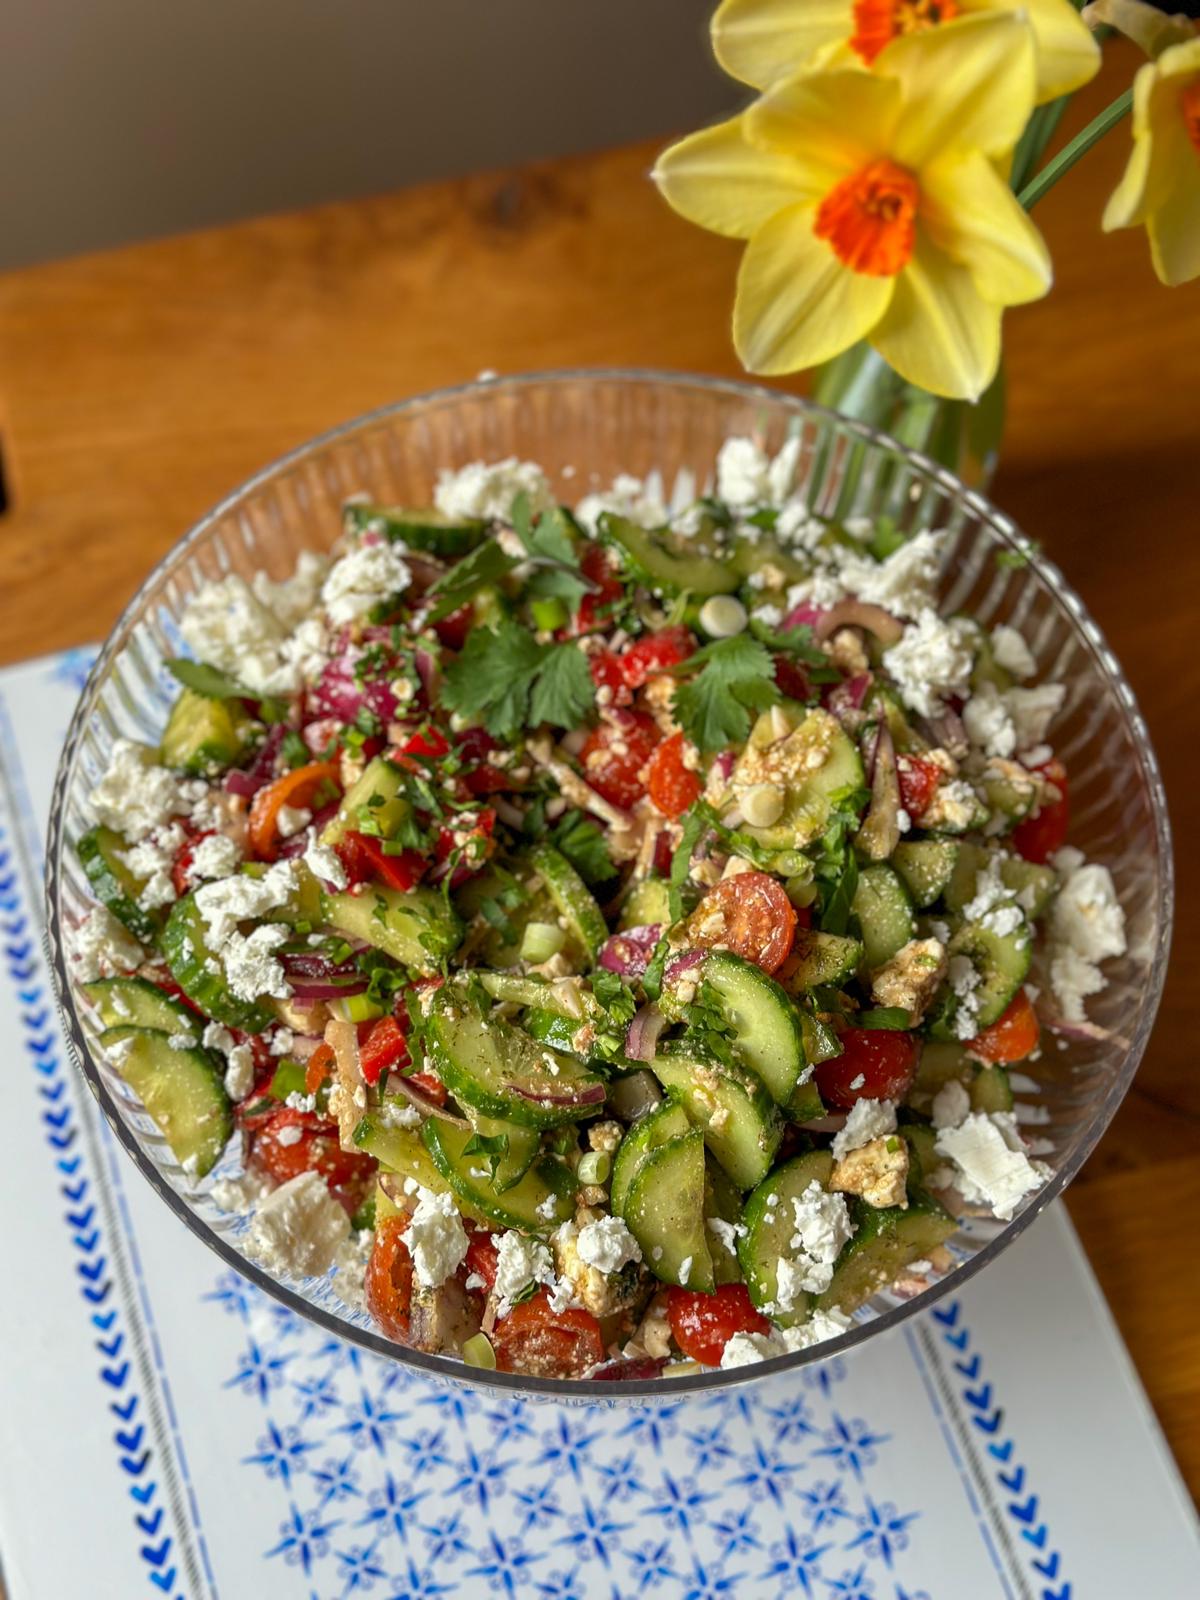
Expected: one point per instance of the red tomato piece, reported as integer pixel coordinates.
(750, 915)
(918, 781)
(1012, 1037)
(482, 1256)
(545, 1343)
(605, 667)
(654, 653)
(389, 1278)
(1039, 836)
(318, 1067)
(875, 1064)
(476, 847)
(427, 741)
(614, 755)
(596, 608)
(364, 860)
(181, 867)
(670, 782)
(703, 1324)
(315, 1148)
(791, 679)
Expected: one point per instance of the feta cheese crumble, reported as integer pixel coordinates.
(867, 1120)
(436, 1239)
(136, 795)
(607, 1244)
(102, 946)
(366, 577)
(932, 660)
(1011, 652)
(298, 1228)
(487, 490)
(1087, 926)
(744, 1349)
(990, 1164)
(823, 1226)
(520, 1262)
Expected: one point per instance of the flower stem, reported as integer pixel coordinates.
(1071, 153)
(1041, 128)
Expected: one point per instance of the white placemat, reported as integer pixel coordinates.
(166, 1429)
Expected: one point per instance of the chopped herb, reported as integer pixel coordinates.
(884, 1017)
(207, 681)
(735, 679)
(294, 750)
(579, 839)
(485, 566)
(492, 1145)
(508, 680)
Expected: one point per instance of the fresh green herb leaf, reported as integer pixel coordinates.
(207, 681)
(294, 750)
(735, 679)
(492, 1145)
(579, 839)
(894, 1017)
(886, 537)
(550, 541)
(508, 680)
(614, 994)
(564, 691)
(485, 566)
(652, 978)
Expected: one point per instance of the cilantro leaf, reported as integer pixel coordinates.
(736, 678)
(207, 681)
(551, 544)
(579, 839)
(564, 692)
(508, 681)
(485, 565)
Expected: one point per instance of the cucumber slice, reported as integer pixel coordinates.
(723, 1202)
(552, 1028)
(1002, 962)
(741, 1123)
(820, 1044)
(667, 1121)
(415, 927)
(991, 1090)
(114, 885)
(539, 994)
(926, 866)
(375, 805)
(524, 1145)
(499, 905)
(182, 1090)
(940, 1062)
(648, 901)
(987, 669)
(402, 1151)
(819, 959)
(138, 1003)
(665, 565)
(486, 1062)
(198, 973)
(812, 764)
(572, 898)
(664, 1212)
(885, 1242)
(536, 1203)
(204, 736)
(884, 912)
(766, 1025)
(748, 557)
(1010, 798)
(923, 1158)
(770, 1223)
(1033, 886)
(419, 527)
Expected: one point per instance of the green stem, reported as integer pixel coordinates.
(1038, 133)
(1071, 153)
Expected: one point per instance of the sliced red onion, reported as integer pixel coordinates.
(845, 700)
(628, 1367)
(312, 964)
(326, 988)
(248, 781)
(303, 1044)
(1082, 1032)
(852, 613)
(642, 1035)
(429, 672)
(423, 1100)
(681, 965)
(724, 763)
(583, 1094)
(339, 694)
(628, 954)
(945, 728)
(805, 615)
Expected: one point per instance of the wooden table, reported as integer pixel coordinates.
(137, 387)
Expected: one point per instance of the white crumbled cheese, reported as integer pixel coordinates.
(436, 1239)
(251, 971)
(1073, 980)
(239, 1072)
(868, 1119)
(180, 1041)
(902, 584)
(152, 860)
(797, 528)
(547, 1208)
(290, 1134)
(102, 946)
(217, 1037)
(988, 724)
(306, 651)
(992, 904)
(1065, 861)
(351, 1262)
(639, 500)
(282, 1041)
(951, 1104)
(394, 1113)
(990, 1163)
(964, 982)
(685, 1271)
(770, 616)
(229, 628)
(607, 1244)
(1031, 712)
(298, 1228)
(520, 1261)
(241, 1193)
(290, 819)
(789, 1284)
(225, 902)
(1011, 652)
(823, 1226)
(136, 795)
(911, 978)
(1086, 926)
(822, 590)
(291, 600)
(487, 489)
(214, 857)
(727, 1232)
(743, 474)
(364, 578)
(323, 861)
(744, 1349)
(932, 660)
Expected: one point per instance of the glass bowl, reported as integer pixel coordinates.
(585, 428)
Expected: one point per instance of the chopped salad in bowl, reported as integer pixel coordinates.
(602, 934)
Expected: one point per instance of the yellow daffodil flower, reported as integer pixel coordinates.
(1161, 185)
(873, 207)
(761, 41)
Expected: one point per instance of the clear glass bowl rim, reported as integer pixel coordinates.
(656, 1390)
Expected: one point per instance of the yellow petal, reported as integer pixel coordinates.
(1127, 205)
(969, 83)
(832, 122)
(718, 180)
(971, 214)
(939, 332)
(760, 41)
(797, 305)
(1174, 226)
(1067, 52)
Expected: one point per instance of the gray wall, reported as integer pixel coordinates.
(121, 119)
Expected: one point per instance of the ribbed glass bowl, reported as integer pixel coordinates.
(585, 428)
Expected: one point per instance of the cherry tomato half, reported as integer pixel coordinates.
(750, 915)
(1039, 836)
(614, 755)
(549, 1344)
(875, 1064)
(655, 652)
(389, 1278)
(365, 860)
(703, 1324)
(290, 1142)
(1012, 1037)
(596, 607)
(918, 781)
(670, 782)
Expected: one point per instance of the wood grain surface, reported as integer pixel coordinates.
(139, 386)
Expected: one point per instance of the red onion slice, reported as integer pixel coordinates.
(628, 954)
(326, 988)
(681, 965)
(420, 1097)
(642, 1035)
(852, 613)
(246, 782)
(584, 1094)
(629, 1367)
(805, 615)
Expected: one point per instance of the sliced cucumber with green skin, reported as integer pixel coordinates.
(304, 906)
(138, 1003)
(550, 1027)
(923, 1158)
(1011, 799)
(665, 565)
(667, 1121)
(647, 902)
(402, 1151)
(183, 1091)
(747, 557)
(941, 1061)
(987, 669)
(204, 736)
(1002, 963)
(926, 866)
(770, 1222)
(820, 1044)
(818, 959)
(1033, 885)
(572, 898)
(884, 912)
(113, 884)
(812, 764)
(740, 1121)
(375, 805)
(991, 1090)
(886, 1240)
(537, 1203)
(522, 1148)
(767, 1033)
(415, 926)
(723, 1202)
(497, 1068)
(198, 973)
(664, 1211)
(418, 527)
(538, 994)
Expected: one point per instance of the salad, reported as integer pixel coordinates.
(599, 935)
